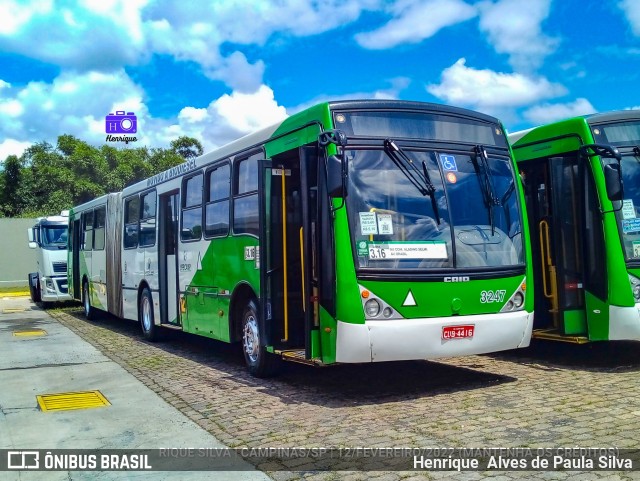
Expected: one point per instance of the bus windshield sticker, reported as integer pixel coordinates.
(448, 162)
(407, 250)
(363, 249)
(631, 225)
(385, 224)
(636, 248)
(368, 223)
(628, 210)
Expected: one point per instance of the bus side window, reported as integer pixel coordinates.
(192, 208)
(131, 217)
(147, 234)
(99, 218)
(87, 230)
(245, 198)
(217, 209)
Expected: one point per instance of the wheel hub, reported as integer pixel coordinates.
(251, 338)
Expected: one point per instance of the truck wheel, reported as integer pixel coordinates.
(150, 331)
(89, 312)
(34, 290)
(260, 363)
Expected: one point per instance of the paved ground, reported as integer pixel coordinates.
(61, 362)
(551, 395)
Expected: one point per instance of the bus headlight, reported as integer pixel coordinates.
(635, 287)
(372, 308)
(518, 300)
(376, 308)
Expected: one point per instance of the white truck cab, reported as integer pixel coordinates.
(49, 237)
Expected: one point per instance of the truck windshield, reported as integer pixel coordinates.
(395, 225)
(54, 235)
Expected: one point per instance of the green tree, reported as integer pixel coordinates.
(187, 147)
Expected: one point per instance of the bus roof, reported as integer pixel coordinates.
(318, 113)
(591, 119)
(614, 116)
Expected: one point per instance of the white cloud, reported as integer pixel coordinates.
(236, 71)
(12, 147)
(15, 14)
(631, 9)
(416, 20)
(546, 113)
(487, 90)
(84, 38)
(107, 35)
(514, 28)
(69, 105)
(47, 110)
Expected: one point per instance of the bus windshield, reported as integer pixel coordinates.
(629, 216)
(618, 133)
(472, 221)
(54, 235)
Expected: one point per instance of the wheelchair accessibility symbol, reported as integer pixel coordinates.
(448, 162)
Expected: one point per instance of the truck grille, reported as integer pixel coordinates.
(60, 267)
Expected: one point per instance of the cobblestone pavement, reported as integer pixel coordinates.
(549, 395)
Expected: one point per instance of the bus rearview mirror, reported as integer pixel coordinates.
(613, 181)
(335, 176)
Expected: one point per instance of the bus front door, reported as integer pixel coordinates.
(554, 190)
(167, 265)
(287, 206)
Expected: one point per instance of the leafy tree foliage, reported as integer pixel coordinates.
(47, 179)
(186, 147)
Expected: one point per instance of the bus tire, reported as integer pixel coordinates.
(260, 362)
(89, 311)
(150, 331)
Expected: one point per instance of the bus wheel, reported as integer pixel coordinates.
(150, 331)
(260, 363)
(89, 312)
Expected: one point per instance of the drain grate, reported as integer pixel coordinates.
(67, 401)
(30, 332)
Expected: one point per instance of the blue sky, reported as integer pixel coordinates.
(219, 69)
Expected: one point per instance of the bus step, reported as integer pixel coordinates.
(175, 327)
(554, 335)
(298, 356)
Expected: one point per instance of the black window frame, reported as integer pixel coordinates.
(207, 198)
(142, 196)
(255, 155)
(183, 208)
(126, 222)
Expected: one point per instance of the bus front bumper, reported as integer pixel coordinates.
(412, 339)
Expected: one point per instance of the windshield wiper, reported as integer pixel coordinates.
(420, 180)
(482, 169)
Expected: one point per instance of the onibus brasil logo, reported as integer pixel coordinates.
(121, 123)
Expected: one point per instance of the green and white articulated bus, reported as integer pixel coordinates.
(353, 231)
(582, 187)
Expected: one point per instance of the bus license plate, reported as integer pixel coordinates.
(457, 332)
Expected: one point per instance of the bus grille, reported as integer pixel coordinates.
(60, 267)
